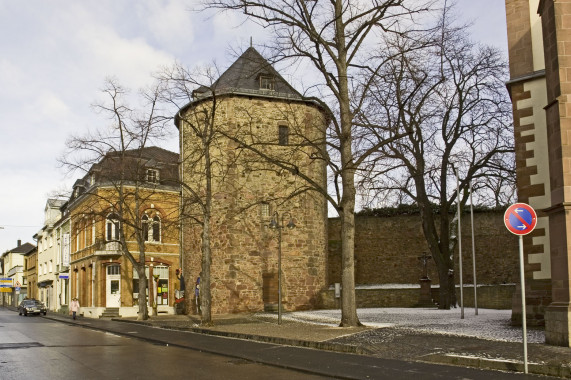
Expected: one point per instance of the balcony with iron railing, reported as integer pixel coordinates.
(106, 248)
(99, 248)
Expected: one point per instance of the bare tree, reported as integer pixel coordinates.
(197, 164)
(449, 94)
(335, 38)
(116, 189)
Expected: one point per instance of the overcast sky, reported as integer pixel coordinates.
(55, 55)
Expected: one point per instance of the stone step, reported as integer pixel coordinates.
(110, 312)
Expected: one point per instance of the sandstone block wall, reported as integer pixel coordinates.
(387, 250)
(489, 297)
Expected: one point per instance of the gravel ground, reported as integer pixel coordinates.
(489, 324)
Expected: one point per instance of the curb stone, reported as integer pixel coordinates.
(344, 348)
(500, 365)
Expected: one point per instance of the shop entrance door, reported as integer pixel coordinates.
(113, 295)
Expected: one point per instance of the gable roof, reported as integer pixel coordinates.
(243, 76)
(21, 249)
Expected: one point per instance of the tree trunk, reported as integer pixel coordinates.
(143, 313)
(349, 304)
(349, 316)
(444, 299)
(205, 294)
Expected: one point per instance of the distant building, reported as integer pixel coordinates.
(251, 102)
(31, 273)
(62, 235)
(139, 190)
(14, 269)
(48, 258)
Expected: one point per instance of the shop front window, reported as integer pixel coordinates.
(161, 273)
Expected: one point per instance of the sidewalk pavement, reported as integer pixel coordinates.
(410, 343)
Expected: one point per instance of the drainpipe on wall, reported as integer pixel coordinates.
(92, 284)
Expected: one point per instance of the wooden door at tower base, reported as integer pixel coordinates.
(270, 291)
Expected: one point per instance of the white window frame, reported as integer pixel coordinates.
(151, 222)
(152, 176)
(267, 82)
(112, 221)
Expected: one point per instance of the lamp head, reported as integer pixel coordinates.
(291, 224)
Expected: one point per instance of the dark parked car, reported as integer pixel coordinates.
(31, 307)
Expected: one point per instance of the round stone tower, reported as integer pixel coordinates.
(264, 142)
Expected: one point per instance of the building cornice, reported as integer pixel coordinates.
(525, 78)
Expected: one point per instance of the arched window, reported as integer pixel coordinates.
(151, 228)
(156, 228)
(112, 227)
(145, 227)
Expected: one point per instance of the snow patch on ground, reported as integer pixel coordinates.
(489, 324)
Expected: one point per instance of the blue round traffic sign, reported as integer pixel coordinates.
(520, 219)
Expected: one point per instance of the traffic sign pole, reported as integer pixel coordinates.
(460, 245)
(523, 309)
(473, 253)
(520, 219)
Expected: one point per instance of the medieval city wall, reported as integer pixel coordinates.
(387, 250)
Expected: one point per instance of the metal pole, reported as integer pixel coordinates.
(460, 247)
(473, 252)
(280, 272)
(523, 310)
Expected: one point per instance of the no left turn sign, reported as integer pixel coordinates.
(520, 219)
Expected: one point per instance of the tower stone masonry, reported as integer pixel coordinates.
(257, 119)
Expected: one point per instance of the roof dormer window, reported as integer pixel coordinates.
(267, 82)
(152, 176)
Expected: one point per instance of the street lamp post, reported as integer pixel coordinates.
(280, 226)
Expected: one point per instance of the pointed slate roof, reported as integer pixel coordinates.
(243, 77)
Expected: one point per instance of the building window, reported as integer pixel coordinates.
(266, 83)
(151, 228)
(265, 210)
(85, 232)
(162, 294)
(113, 269)
(152, 175)
(50, 267)
(112, 227)
(283, 135)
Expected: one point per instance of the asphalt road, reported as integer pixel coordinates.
(36, 348)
